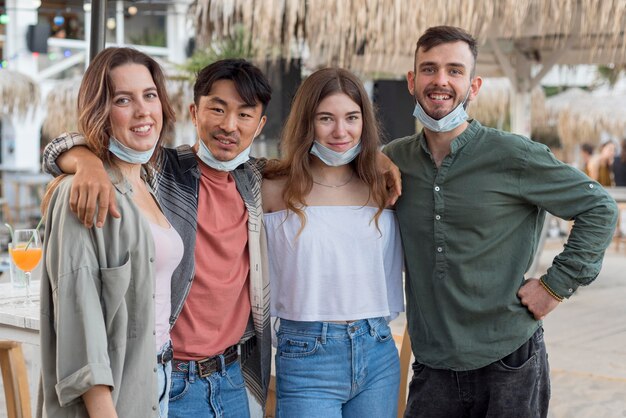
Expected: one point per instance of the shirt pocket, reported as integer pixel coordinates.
(118, 299)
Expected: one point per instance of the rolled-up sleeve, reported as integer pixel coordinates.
(569, 194)
(57, 147)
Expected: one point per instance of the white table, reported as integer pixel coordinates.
(21, 323)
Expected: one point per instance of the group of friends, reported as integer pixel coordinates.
(165, 268)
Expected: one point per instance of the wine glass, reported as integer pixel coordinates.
(25, 251)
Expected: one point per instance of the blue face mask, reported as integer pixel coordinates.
(129, 155)
(447, 123)
(207, 157)
(334, 158)
(205, 154)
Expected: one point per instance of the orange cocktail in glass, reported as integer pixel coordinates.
(25, 251)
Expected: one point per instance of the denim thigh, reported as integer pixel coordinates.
(220, 395)
(336, 370)
(516, 386)
(164, 382)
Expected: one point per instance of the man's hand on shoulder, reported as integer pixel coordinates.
(92, 190)
(537, 299)
(393, 179)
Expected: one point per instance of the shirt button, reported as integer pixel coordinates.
(437, 188)
(437, 217)
(591, 186)
(153, 332)
(570, 290)
(439, 249)
(153, 408)
(154, 370)
(152, 259)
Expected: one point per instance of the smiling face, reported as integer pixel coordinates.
(338, 122)
(136, 115)
(442, 78)
(224, 122)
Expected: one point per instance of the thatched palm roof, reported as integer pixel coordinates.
(61, 111)
(590, 117)
(371, 36)
(18, 93)
(491, 106)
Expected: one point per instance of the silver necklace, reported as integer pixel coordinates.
(337, 186)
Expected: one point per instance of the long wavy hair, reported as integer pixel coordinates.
(95, 100)
(299, 133)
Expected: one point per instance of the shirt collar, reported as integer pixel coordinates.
(457, 143)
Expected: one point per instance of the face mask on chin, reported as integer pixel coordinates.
(334, 158)
(128, 154)
(447, 123)
(207, 157)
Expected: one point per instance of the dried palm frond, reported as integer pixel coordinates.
(18, 93)
(371, 36)
(61, 111)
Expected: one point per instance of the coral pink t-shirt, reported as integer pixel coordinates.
(217, 309)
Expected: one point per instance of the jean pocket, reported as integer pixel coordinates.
(383, 332)
(514, 365)
(235, 377)
(291, 346)
(179, 388)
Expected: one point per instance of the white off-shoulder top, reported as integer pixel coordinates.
(341, 267)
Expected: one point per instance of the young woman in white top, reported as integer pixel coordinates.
(335, 256)
(105, 301)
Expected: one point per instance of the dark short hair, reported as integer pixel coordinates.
(438, 35)
(251, 84)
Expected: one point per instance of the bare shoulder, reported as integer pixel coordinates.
(272, 194)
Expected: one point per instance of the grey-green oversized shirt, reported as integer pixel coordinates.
(470, 230)
(97, 310)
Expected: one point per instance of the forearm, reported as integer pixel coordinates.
(99, 402)
(57, 147)
(581, 259)
(71, 161)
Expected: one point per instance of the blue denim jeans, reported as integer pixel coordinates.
(330, 370)
(516, 386)
(164, 381)
(220, 395)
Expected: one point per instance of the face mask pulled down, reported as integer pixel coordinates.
(207, 157)
(447, 123)
(129, 155)
(334, 158)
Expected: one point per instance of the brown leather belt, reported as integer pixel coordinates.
(207, 366)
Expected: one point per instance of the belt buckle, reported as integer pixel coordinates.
(209, 365)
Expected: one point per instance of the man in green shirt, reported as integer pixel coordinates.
(473, 205)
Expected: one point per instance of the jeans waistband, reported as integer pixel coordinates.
(331, 329)
(207, 366)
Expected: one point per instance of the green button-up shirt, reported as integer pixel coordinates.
(470, 229)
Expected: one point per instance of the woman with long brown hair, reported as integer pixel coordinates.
(335, 256)
(105, 292)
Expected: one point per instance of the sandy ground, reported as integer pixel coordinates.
(586, 340)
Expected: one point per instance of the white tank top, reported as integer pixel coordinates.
(339, 268)
(168, 247)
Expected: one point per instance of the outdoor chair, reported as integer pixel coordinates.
(14, 380)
